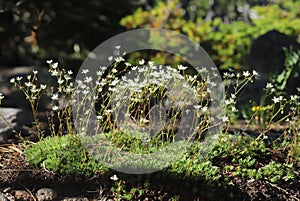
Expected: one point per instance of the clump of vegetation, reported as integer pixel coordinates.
(63, 154)
(68, 150)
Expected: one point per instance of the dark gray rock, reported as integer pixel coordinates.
(46, 194)
(267, 57)
(12, 120)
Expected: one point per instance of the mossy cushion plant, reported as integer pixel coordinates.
(64, 154)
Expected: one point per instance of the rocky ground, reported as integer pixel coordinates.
(21, 181)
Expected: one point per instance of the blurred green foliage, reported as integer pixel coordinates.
(32, 31)
(66, 31)
(228, 33)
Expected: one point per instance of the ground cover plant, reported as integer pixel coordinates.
(251, 152)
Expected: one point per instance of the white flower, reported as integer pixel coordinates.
(114, 178)
(67, 77)
(35, 72)
(233, 108)
(151, 63)
(254, 73)
(19, 78)
(60, 81)
(55, 107)
(110, 58)
(246, 73)
(29, 77)
(117, 47)
(34, 89)
(197, 106)
(99, 117)
(49, 61)
(43, 86)
(1, 96)
(141, 62)
(55, 65)
(204, 109)
(119, 59)
(85, 71)
(54, 97)
(70, 72)
(12, 80)
(294, 97)
(108, 111)
(269, 86)
(224, 119)
(181, 67)
(114, 70)
(88, 79)
(127, 64)
(277, 99)
(54, 73)
(28, 84)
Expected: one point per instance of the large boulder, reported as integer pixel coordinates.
(12, 121)
(267, 57)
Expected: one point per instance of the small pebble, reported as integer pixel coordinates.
(46, 194)
(22, 195)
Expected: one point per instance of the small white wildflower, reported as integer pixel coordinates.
(55, 107)
(12, 80)
(233, 108)
(224, 119)
(35, 72)
(197, 106)
(55, 65)
(204, 109)
(34, 89)
(229, 101)
(143, 120)
(255, 73)
(54, 73)
(119, 59)
(117, 47)
(269, 86)
(108, 111)
(28, 84)
(294, 97)
(151, 63)
(54, 97)
(141, 62)
(181, 67)
(246, 73)
(1, 96)
(85, 92)
(277, 99)
(110, 58)
(60, 81)
(114, 178)
(29, 77)
(43, 86)
(99, 73)
(85, 71)
(88, 79)
(99, 117)
(70, 72)
(114, 70)
(49, 61)
(67, 77)
(127, 64)
(114, 82)
(19, 78)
